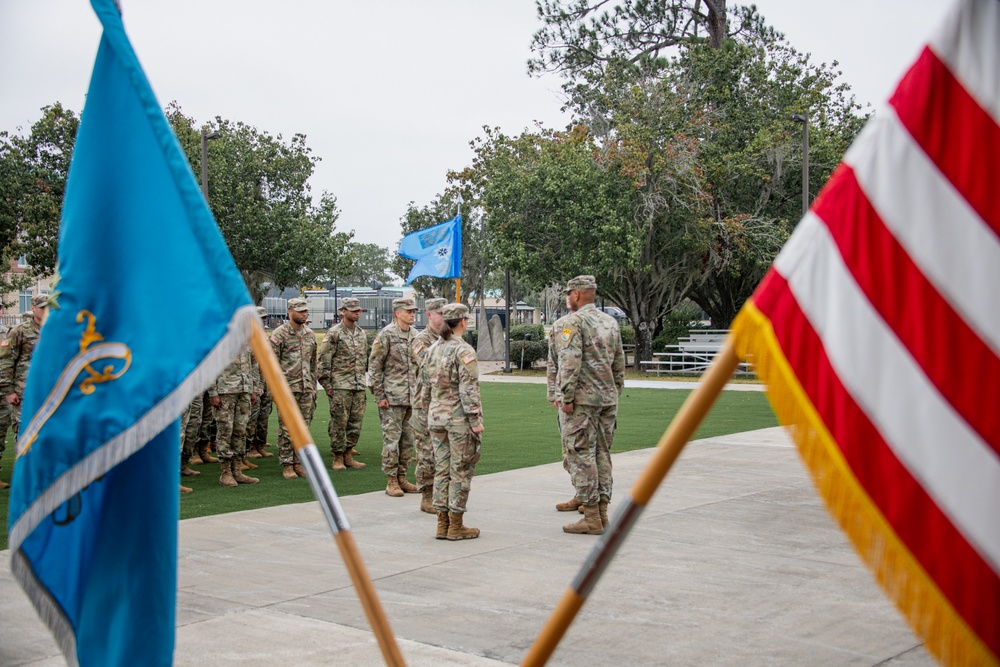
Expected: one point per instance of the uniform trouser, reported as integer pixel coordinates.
(190, 426)
(397, 439)
(347, 411)
(206, 433)
(424, 448)
(260, 415)
(306, 403)
(456, 451)
(14, 412)
(6, 420)
(587, 435)
(231, 418)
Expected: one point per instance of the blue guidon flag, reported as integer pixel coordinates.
(94, 497)
(437, 250)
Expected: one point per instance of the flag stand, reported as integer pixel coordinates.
(668, 449)
(323, 489)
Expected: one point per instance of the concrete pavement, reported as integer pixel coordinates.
(734, 562)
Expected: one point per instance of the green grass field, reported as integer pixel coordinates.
(520, 432)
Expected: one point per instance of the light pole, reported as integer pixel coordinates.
(804, 119)
(205, 138)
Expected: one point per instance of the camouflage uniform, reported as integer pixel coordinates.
(343, 361)
(296, 352)
(589, 373)
(451, 391)
(393, 379)
(190, 427)
(552, 394)
(421, 346)
(234, 387)
(15, 357)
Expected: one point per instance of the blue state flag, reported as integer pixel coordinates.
(150, 309)
(437, 249)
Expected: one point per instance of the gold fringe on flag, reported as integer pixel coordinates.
(929, 613)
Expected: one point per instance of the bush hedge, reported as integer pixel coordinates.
(518, 331)
(534, 350)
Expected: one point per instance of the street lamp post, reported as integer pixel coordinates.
(804, 119)
(205, 138)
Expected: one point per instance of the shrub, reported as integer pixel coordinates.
(518, 331)
(534, 350)
(472, 338)
(628, 334)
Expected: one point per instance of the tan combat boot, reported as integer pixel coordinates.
(288, 472)
(252, 452)
(246, 465)
(241, 478)
(226, 479)
(427, 502)
(184, 489)
(355, 452)
(456, 531)
(338, 462)
(569, 505)
(406, 486)
(590, 524)
(442, 532)
(263, 453)
(602, 508)
(299, 470)
(195, 459)
(392, 487)
(206, 455)
(350, 462)
(186, 470)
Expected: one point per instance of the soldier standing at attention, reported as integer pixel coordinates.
(294, 344)
(343, 362)
(422, 438)
(260, 412)
(455, 421)
(589, 379)
(553, 396)
(231, 395)
(15, 357)
(394, 387)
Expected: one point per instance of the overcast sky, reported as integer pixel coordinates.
(390, 93)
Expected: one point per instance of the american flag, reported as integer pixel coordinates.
(877, 331)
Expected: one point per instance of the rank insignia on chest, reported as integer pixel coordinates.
(468, 358)
(567, 334)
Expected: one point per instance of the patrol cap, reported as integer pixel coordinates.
(454, 311)
(403, 304)
(261, 311)
(580, 282)
(298, 303)
(350, 303)
(432, 305)
(41, 300)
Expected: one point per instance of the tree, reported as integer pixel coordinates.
(582, 36)
(259, 193)
(33, 171)
(366, 262)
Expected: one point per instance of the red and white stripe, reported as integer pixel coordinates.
(886, 304)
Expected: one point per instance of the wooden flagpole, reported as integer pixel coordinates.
(668, 449)
(458, 290)
(323, 489)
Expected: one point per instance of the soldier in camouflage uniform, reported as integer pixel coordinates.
(589, 378)
(343, 363)
(394, 385)
(231, 395)
(551, 372)
(15, 357)
(455, 421)
(6, 414)
(294, 343)
(190, 425)
(421, 345)
(260, 412)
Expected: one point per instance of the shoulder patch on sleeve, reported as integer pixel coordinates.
(567, 333)
(4, 343)
(418, 348)
(274, 339)
(470, 357)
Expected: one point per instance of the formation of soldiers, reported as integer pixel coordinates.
(426, 387)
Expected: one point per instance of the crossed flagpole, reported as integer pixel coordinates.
(323, 489)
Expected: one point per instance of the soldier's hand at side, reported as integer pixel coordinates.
(478, 429)
(253, 398)
(384, 403)
(567, 408)
(12, 398)
(215, 401)
(329, 392)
